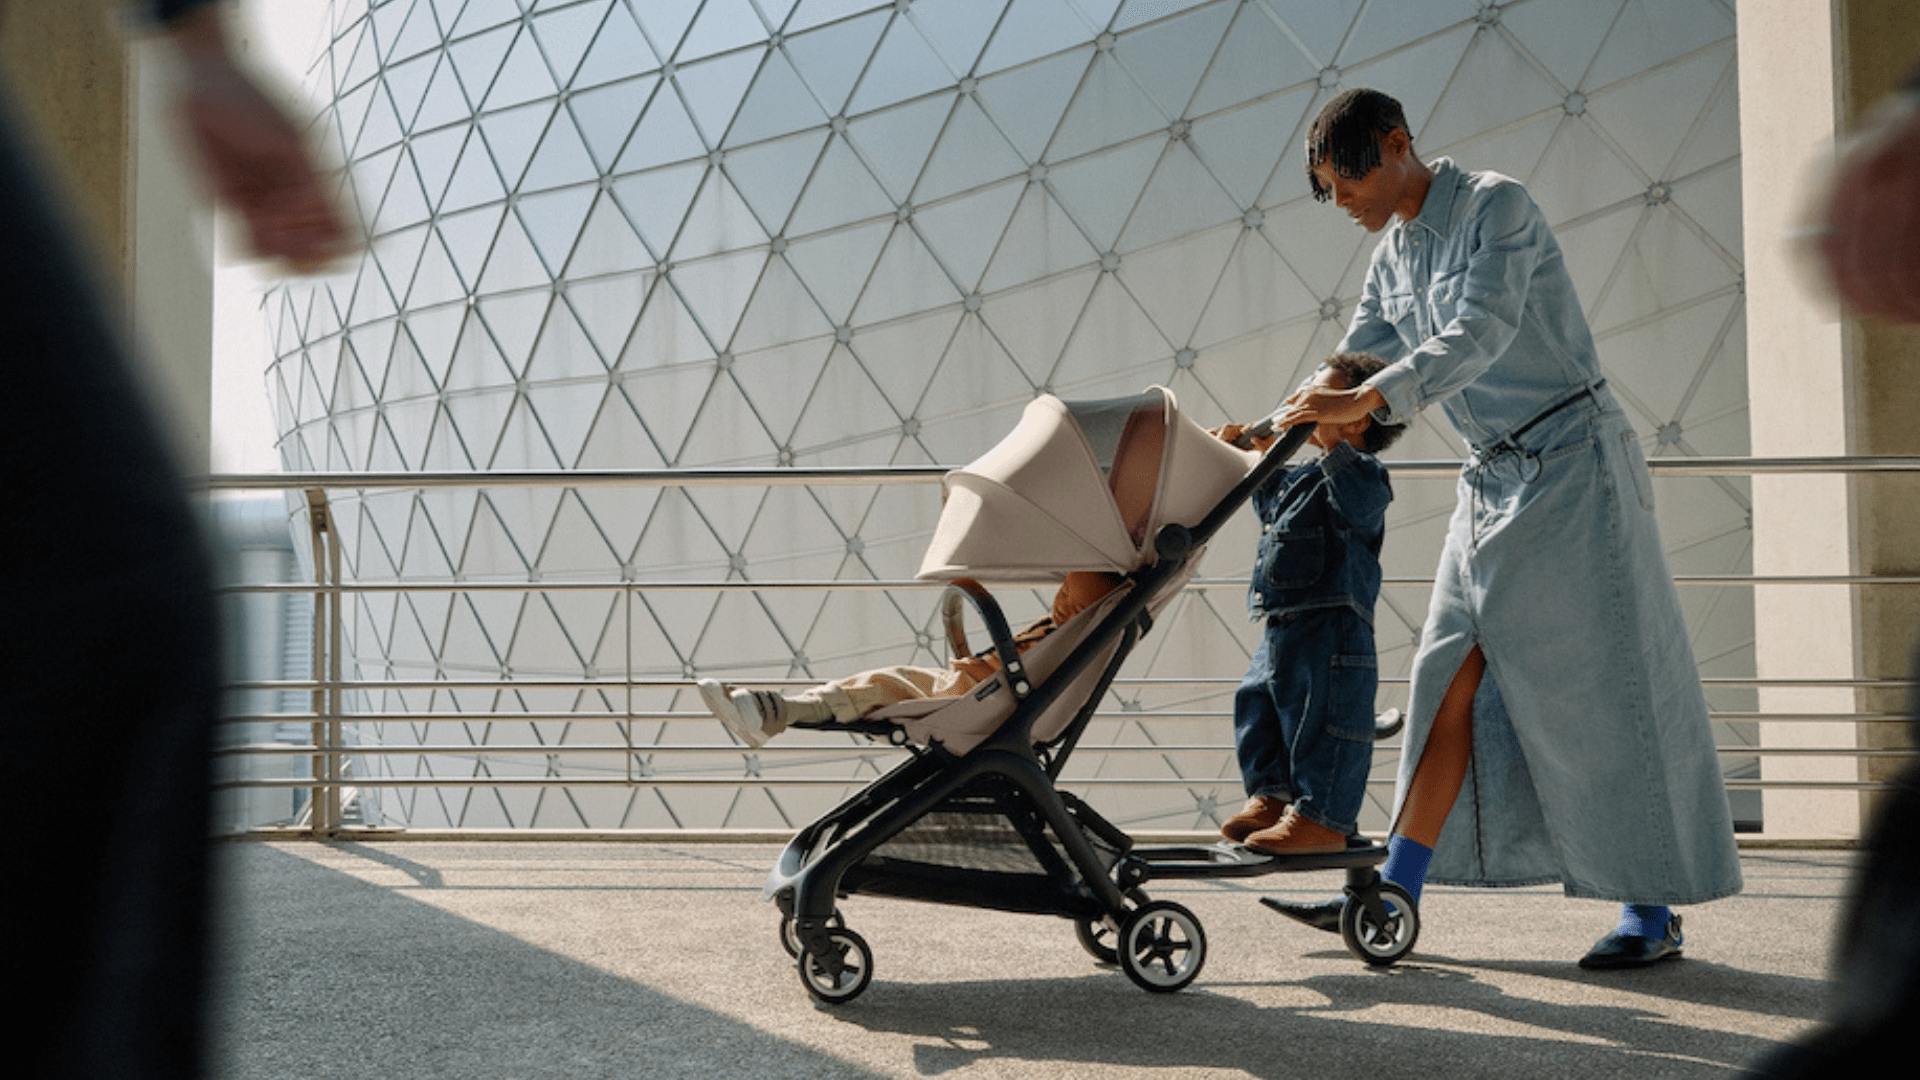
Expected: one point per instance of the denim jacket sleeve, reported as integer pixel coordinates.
(1506, 238)
(1358, 488)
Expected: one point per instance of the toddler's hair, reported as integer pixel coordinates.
(1355, 368)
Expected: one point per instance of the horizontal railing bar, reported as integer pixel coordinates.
(537, 750)
(1144, 683)
(1069, 782)
(1117, 717)
(913, 585)
(920, 474)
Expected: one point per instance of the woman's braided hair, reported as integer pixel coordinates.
(1347, 133)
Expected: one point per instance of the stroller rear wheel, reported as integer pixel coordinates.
(1161, 946)
(1381, 938)
(790, 933)
(843, 973)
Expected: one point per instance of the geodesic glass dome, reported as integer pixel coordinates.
(678, 233)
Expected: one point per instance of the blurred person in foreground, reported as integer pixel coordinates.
(108, 643)
(1867, 245)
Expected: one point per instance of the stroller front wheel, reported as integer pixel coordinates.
(1386, 933)
(1161, 947)
(842, 973)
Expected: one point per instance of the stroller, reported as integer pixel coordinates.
(972, 816)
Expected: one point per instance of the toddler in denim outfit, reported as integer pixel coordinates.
(1303, 716)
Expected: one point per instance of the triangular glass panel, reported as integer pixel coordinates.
(1031, 29)
(481, 14)
(1168, 58)
(1320, 28)
(1025, 321)
(717, 222)
(1257, 289)
(477, 58)
(565, 412)
(769, 175)
(726, 432)
(906, 281)
(831, 58)
(712, 91)
(436, 332)
(1115, 349)
(1110, 108)
(607, 309)
(1101, 190)
(406, 84)
(971, 153)
(665, 335)
(511, 136)
(1182, 198)
(964, 231)
(1494, 85)
(420, 34)
(561, 159)
(838, 193)
(1026, 103)
(1652, 117)
(553, 220)
(834, 265)
(975, 368)
(563, 352)
(1240, 146)
(957, 29)
(521, 78)
(617, 440)
(768, 379)
(778, 104)
(1649, 34)
(513, 263)
(477, 363)
(515, 321)
(903, 67)
(716, 289)
(1255, 59)
(606, 116)
(656, 201)
(475, 180)
(1042, 241)
(895, 354)
(781, 311)
(434, 156)
(722, 26)
(565, 35)
(895, 142)
(618, 52)
(667, 399)
(524, 443)
(574, 545)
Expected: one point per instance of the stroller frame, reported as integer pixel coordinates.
(1091, 871)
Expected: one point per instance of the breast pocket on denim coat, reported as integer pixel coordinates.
(1445, 293)
(1400, 310)
(1292, 558)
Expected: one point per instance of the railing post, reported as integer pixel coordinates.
(323, 817)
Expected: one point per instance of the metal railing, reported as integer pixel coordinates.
(329, 752)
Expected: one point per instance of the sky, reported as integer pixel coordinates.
(281, 38)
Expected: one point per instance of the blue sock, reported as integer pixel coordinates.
(1406, 864)
(1643, 920)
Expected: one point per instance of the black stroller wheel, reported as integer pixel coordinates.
(1097, 938)
(790, 931)
(1376, 940)
(1162, 947)
(843, 973)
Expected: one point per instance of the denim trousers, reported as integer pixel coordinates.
(1303, 716)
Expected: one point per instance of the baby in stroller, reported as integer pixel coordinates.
(845, 704)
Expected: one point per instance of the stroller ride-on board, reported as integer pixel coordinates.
(972, 816)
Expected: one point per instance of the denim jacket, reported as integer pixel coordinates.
(1320, 532)
(1472, 306)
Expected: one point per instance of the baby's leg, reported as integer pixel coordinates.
(852, 698)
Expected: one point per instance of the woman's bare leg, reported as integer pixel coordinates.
(1443, 761)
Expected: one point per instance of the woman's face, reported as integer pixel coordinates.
(1373, 200)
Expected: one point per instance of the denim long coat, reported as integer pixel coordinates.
(1593, 763)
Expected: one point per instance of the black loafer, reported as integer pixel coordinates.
(1631, 951)
(1324, 915)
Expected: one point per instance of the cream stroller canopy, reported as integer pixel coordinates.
(1080, 485)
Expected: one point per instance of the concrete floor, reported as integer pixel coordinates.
(591, 959)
